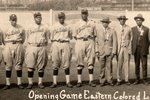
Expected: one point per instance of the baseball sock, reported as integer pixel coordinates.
(67, 73)
(19, 75)
(55, 74)
(8, 75)
(90, 75)
(30, 77)
(41, 74)
(79, 75)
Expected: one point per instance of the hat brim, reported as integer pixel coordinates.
(122, 18)
(103, 21)
(139, 18)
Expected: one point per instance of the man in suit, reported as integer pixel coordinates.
(106, 48)
(140, 47)
(124, 35)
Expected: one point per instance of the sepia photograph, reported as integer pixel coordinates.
(74, 49)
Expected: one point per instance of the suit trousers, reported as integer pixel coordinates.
(143, 58)
(123, 62)
(106, 69)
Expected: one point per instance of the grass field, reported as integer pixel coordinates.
(15, 94)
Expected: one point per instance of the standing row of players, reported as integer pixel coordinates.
(91, 40)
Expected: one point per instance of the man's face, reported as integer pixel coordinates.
(122, 21)
(105, 24)
(38, 20)
(61, 20)
(139, 22)
(84, 16)
(13, 22)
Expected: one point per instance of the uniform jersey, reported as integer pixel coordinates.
(14, 34)
(38, 34)
(61, 32)
(60, 49)
(84, 29)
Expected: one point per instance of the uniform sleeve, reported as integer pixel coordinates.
(23, 35)
(70, 32)
(27, 33)
(74, 31)
(149, 35)
(96, 39)
(115, 43)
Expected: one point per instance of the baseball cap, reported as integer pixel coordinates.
(13, 17)
(37, 14)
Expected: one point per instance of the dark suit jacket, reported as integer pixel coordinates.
(145, 41)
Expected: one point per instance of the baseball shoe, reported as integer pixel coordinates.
(136, 82)
(53, 85)
(69, 85)
(6, 87)
(79, 85)
(20, 86)
(41, 86)
(118, 83)
(29, 86)
(92, 84)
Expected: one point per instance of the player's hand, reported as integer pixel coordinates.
(97, 54)
(112, 55)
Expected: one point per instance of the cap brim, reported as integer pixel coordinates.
(105, 21)
(122, 18)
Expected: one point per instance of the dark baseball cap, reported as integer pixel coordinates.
(84, 11)
(61, 15)
(37, 14)
(13, 17)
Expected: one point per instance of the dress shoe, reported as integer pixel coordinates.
(127, 83)
(118, 83)
(102, 84)
(145, 82)
(136, 82)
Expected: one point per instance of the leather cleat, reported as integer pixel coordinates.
(69, 85)
(41, 86)
(29, 86)
(79, 85)
(20, 86)
(53, 85)
(92, 84)
(6, 87)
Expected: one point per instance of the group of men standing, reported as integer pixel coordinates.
(91, 40)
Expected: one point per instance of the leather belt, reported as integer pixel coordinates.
(13, 42)
(84, 39)
(60, 41)
(37, 45)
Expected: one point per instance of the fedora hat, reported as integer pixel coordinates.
(122, 17)
(139, 16)
(106, 20)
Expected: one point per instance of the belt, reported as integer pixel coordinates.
(60, 41)
(13, 42)
(84, 39)
(37, 45)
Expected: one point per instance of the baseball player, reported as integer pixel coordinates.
(60, 51)
(85, 34)
(36, 54)
(13, 52)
